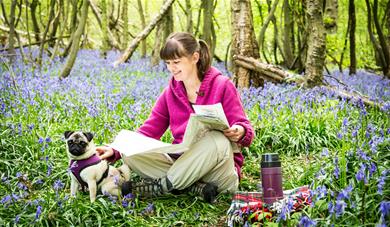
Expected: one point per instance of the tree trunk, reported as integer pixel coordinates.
(134, 44)
(125, 18)
(331, 15)
(244, 43)
(155, 59)
(73, 24)
(76, 41)
(208, 10)
(104, 22)
(352, 43)
(316, 43)
(143, 25)
(189, 27)
(56, 22)
(277, 75)
(382, 41)
(287, 35)
(266, 23)
(12, 34)
(33, 7)
(50, 20)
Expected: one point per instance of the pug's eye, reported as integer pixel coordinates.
(82, 143)
(70, 142)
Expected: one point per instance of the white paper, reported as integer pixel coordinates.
(205, 119)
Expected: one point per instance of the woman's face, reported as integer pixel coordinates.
(183, 68)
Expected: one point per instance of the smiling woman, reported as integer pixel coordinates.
(212, 165)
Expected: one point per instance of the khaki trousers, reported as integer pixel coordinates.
(210, 160)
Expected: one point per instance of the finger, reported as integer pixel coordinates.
(100, 150)
(104, 156)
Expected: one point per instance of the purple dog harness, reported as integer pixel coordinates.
(76, 166)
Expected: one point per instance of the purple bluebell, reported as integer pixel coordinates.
(58, 185)
(38, 212)
(345, 193)
(384, 208)
(305, 221)
(360, 175)
(339, 207)
(381, 181)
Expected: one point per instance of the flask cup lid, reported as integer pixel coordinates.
(270, 160)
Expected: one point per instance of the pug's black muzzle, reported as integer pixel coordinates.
(76, 149)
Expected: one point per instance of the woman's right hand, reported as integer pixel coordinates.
(104, 152)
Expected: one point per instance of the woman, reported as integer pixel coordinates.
(211, 165)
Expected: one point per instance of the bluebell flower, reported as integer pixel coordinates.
(381, 181)
(49, 169)
(22, 186)
(125, 203)
(38, 212)
(345, 193)
(305, 221)
(360, 175)
(325, 152)
(17, 218)
(384, 208)
(372, 169)
(330, 207)
(321, 192)
(58, 185)
(340, 207)
(40, 140)
(48, 139)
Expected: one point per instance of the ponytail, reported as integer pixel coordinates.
(204, 62)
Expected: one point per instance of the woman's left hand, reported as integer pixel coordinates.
(234, 133)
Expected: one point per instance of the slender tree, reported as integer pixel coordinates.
(352, 44)
(105, 41)
(316, 43)
(208, 11)
(287, 35)
(76, 40)
(125, 18)
(189, 27)
(12, 33)
(143, 25)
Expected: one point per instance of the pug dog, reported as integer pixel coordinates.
(88, 170)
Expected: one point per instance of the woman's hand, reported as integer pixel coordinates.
(234, 133)
(104, 152)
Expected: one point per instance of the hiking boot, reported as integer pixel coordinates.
(207, 191)
(147, 187)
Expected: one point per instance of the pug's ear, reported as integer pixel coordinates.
(88, 135)
(68, 133)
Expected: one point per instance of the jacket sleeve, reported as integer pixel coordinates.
(158, 121)
(235, 114)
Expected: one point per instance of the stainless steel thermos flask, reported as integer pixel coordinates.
(271, 177)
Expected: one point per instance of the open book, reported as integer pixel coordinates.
(205, 118)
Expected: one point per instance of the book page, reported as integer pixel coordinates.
(214, 111)
(130, 143)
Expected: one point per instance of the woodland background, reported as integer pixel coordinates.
(347, 33)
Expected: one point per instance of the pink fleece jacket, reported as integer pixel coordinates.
(172, 109)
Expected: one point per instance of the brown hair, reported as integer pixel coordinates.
(183, 44)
